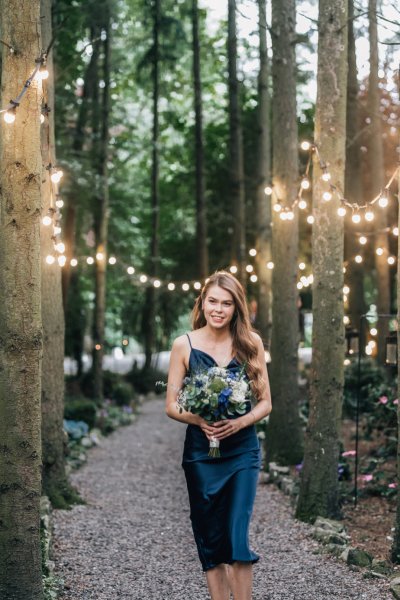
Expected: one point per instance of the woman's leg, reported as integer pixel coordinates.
(217, 582)
(240, 577)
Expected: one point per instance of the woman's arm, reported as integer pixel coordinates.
(263, 407)
(176, 375)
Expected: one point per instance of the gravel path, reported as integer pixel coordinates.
(133, 539)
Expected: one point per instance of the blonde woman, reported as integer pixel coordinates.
(221, 490)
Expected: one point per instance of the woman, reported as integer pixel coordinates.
(221, 490)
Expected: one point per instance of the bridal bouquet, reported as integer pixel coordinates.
(215, 394)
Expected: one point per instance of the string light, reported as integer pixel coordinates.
(346, 320)
(142, 278)
(305, 145)
(356, 218)
(62, 260)
(327, 196)
(277, 207)
(305, 183)
(369, 215)
(90, 260)
(253, 278)
(391, 260)
(302, 204)
(289, 215)
(185, 287)
(252, 252)
(270, 265)
(131, 270)
(358, 258)
(302, 266)
(373, 331)
(249, 268)
(157, 283)
(233, 269)
(112, 260)
(379, 251)
(363, 240)
(268, 190)
(73, 262)
(50, 259)
(56, 176)
(310, 219)
(10, 115)
(395, 231)
(383, 201)
(60, 247)
(341, 211)
(59, 203)
(346, 289)
(197, 285)
(171, 286)
(326, 176)
(99, 256)
(47, 220)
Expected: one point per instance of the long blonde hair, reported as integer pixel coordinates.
(243, 345)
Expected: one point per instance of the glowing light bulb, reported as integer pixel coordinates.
(383, 201)
(326, 176)
(125, 342)
(253, 252)
(43, 73)
(391, 260)
(56, 176)
(62, 260)
(90, 260)
(356, 218)
(395, 231)
(47, 220)
(369, 215)
(97, 347)
(73, 262)
(59, 203)
(310, 219)
(327, 196)
(373, 331)
(290, 215)
(156, 283)
(277, 207)
(9, 116)
(42, 119)
(268, 190)
(131, 270)
(347, 362)
(379, 251)
(302, 204)
(305, 183)
(311, 279)
(341, 211)
(346, 289)
(50, 259)
(305, 145)
(112, 260)
(143, 278)
(363, 240)
(253, 278)
(171, 286)
(270, 265)
(302, 266)
(57, 230)
(283, 215)
(60, 247)
(358, 258)
(346, 320)
(197, 285)
(299, 285)
(249, 268)
(185, 287)
(233, 269)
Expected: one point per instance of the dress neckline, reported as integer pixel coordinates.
(213, 359)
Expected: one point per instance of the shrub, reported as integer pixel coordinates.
(145, 381)
(122, 393)
(80, 409)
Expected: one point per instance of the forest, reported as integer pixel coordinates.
(146, 144)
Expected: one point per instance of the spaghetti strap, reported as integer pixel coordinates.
(190, 343)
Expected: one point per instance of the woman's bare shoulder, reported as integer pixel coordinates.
(257, 339)
(180, 342)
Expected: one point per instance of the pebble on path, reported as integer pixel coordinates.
(133, 538)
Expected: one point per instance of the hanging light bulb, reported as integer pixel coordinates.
(62, 260)
(156, 283)
(60, 247)
(310, 219)
(391, 260)
(233, 269)
(283, 215)
(326, 176)
(395, 231)
(346, 289)
(290, 215)
(90, 260)
(379, 251)
(99, 256)
(59, 203)
(171, 286)
(112, 260)
(143, 278)
(253, 278)
(302, 266)
(358, 258)
(50, 259)
(10, 114)
(56, 176)
(185, 287)
(346, 320)
(302, 204)
(47, 220)
(356, 218)
(268, 190)
(42, 119)
(327, 196)
(369, 215)
(253, 252)
(197, 285)
(363, 240)
(341, 211)
(305, 145)
(277, 207)
(57, 230)
(131, 270)
(73, 262)
(249, 268)
(305, 183)
(383, 201)
(43, 73)
(270, 265)
(299, 285)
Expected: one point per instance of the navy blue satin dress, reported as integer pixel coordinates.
(221, 490)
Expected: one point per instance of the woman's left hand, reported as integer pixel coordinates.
(227, 427)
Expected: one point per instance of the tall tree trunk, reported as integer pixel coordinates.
(395, 552)
(236, 150)
(20, 310)
(101, 213)
(319, 489)
(149, 312)
(353, 182)
(201, 209)
(376, 167)
(263, 320)
(55, 484)
(284, 440)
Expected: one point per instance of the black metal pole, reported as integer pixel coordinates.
(360, 347)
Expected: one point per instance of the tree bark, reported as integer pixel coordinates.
(376, 167)
(149, 311)
(101, 211)
(21, 336)
(55, 483)
(319, 488)
(284, 440)
(236, 151)
(263, 319)
(353, 183)
(201, 208)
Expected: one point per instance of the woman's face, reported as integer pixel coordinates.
(218, 307)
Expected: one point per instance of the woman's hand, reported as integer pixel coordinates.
(227, 427)
(206, 427)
